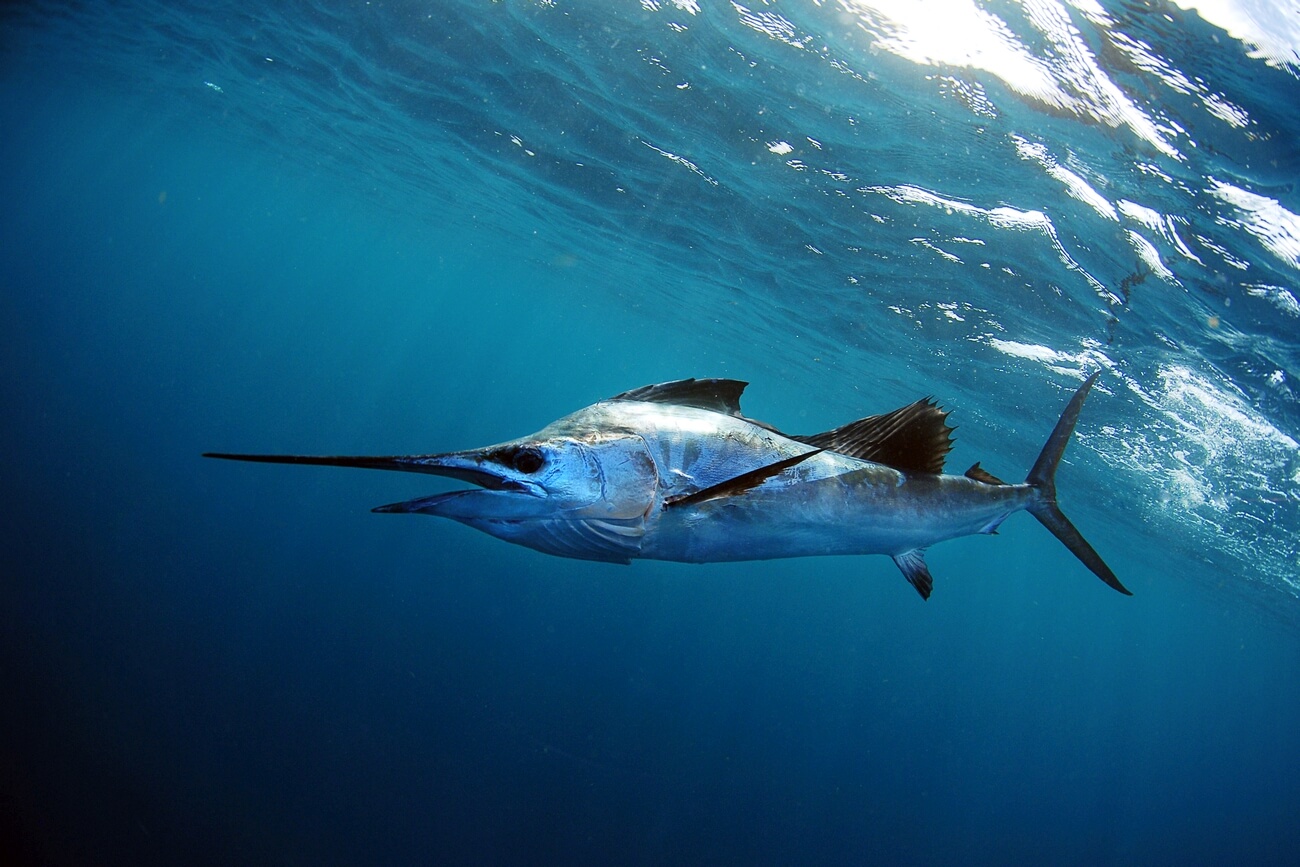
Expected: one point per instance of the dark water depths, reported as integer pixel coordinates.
(405, 227)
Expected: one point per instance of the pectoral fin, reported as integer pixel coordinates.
(738, 484)
(915, 571)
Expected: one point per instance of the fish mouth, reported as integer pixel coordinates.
(496, 494)
(497, 497)
(475, 475)
(474, 503)
(508, 503)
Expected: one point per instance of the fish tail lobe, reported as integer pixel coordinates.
(1043, 479)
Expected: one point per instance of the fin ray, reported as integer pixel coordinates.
(912, 565)
(915, 438)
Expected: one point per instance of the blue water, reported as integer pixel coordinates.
(384, 228)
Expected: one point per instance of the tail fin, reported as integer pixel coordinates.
(1043, 478)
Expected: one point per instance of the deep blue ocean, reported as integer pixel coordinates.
(406, 227)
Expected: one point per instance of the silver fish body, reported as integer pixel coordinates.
(674, 471)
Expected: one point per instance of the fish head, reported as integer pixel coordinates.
(574, 493)
(581, 487)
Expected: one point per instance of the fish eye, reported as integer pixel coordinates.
(527, 460)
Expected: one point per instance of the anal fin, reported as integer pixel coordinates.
(912, 564)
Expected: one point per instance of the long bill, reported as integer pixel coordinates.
(454, 465)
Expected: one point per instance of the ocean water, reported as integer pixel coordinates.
(394, 227)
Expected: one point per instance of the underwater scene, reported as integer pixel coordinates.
(919, 596)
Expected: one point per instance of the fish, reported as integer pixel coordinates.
(675, 471)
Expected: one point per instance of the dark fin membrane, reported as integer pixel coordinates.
(739, 484)
(718, 395)
(1051, 517)
(980, 474)
(1043, 478)
(912, 564)
(914, 439)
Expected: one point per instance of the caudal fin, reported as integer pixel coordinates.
(1043, 478)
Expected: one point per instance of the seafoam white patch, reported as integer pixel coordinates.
(1001, 217)
(1273, 225)
(1269, 29)
(1281, 297)
(1203, 460)
(1226, 466)
(1056, 67)
(681, 161)
(1150, 256)
(1075, 185)
(1071, 364)
(1148, 217)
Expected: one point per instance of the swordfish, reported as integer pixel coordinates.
(675, 471)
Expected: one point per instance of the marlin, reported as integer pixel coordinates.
(675, 471)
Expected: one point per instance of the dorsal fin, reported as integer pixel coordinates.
(915, 438)
(718, 395)
(980, 474)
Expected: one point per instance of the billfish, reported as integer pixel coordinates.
(675, 471)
